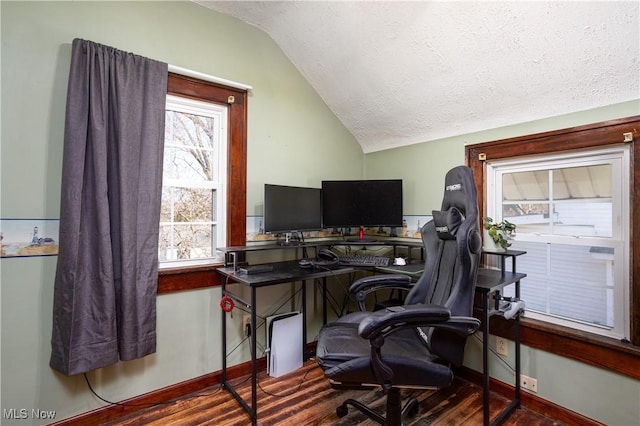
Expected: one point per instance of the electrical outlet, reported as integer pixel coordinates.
(246, 324)
(529, 383)
(501, 346)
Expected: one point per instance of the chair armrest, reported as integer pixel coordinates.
(413, 315)
(381, 281)
(462, 325)
(362, 287)
(384, 321)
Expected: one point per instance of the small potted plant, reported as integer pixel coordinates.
(497, 235)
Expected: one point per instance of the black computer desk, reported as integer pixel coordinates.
(490, 286)
(283, 272)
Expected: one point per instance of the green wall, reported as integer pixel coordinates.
(293, 138)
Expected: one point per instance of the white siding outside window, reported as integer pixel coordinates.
(571, 212)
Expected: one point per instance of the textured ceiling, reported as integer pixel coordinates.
(398, 73)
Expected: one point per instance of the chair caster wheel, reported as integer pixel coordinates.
(411, 409)
(342, 411)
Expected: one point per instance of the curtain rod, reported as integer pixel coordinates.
(207, 77)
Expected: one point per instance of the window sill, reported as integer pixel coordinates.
(181, 278)
(598, 351)
(189, 265)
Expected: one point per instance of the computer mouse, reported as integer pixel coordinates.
(399, 261)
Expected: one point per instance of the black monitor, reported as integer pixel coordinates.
(355, 203)
(291, 209)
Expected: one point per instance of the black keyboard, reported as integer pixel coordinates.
(359, 260)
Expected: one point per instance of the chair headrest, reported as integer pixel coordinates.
(460, 191)
(447, 223)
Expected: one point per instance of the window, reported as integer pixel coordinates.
(181, 276)
(570, 342)
(569, 211)
(193, 212)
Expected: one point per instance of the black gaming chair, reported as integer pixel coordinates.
(415, 344)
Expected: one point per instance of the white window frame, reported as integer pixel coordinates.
(220, 115)
(619, 158)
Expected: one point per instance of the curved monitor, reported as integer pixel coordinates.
(291, 208)
(354, 203)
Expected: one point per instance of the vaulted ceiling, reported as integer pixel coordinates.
(398, 73)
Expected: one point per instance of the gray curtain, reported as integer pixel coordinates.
(104, 307)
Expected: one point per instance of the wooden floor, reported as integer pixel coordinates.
(304, 397)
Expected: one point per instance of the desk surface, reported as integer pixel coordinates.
(283, 272)
(382, 241)
(489, 280)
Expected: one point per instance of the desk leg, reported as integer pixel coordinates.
(324, 300)
(517, 339)
(224, 336)
(254, 363)
(515, 402)
(485, 359)
(304, 320)
(252, 410)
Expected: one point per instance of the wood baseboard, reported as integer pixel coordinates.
(126, 407)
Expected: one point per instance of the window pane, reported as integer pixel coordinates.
(580, 286)
(193, 200)
(573, 201)
(189, 140)
(583, 218)
(525, 200)
(185, 242)
(528, 217)
(188, 164)
(569, 281)
(166, 205)
(525, 186)
(187, 205)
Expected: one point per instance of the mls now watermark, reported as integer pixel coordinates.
(25, 414)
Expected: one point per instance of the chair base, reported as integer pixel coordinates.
(395, 411)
